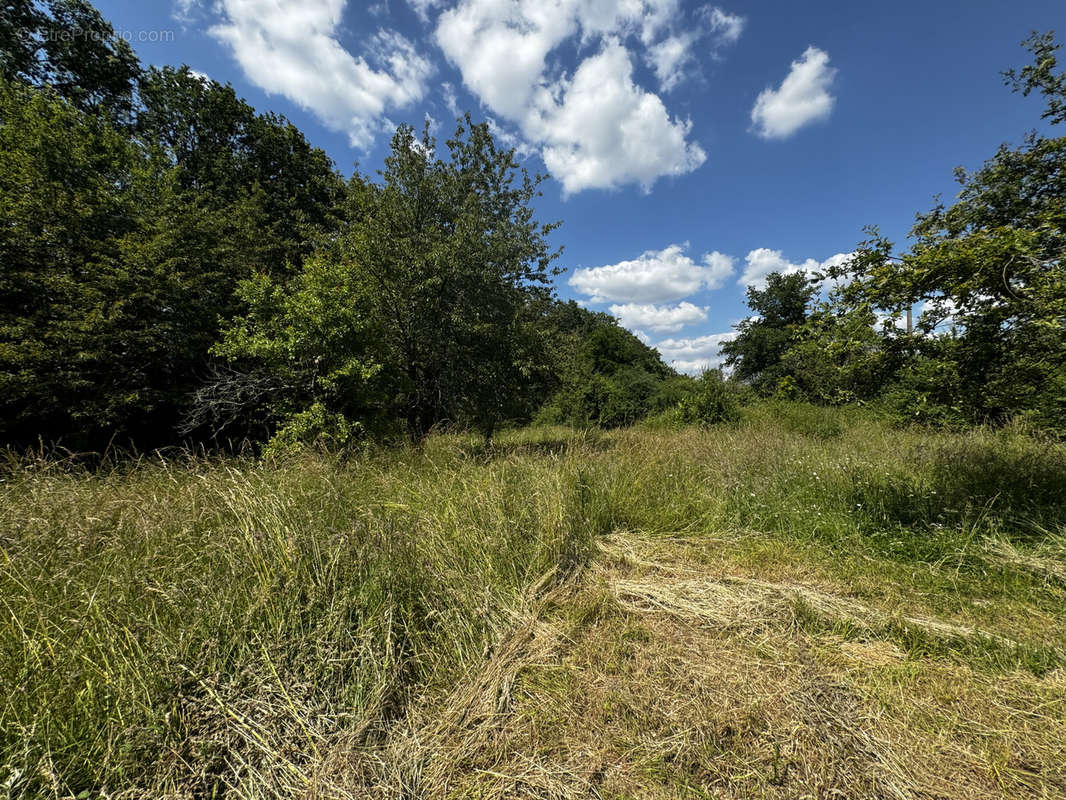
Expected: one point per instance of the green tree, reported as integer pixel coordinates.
(65, 207)
(68, 46)
(303, 358)
(838, 356)
(781, 308)
(133, 205)
(991, 264)
(115, 277)
(226, 153)
(601, 373)
(431, 280)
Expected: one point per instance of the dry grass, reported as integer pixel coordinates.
(804, 605)
(654, 679)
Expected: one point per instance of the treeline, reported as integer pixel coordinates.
(179, 267)
(968, 326)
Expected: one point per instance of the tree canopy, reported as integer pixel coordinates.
(984, 277)
(178, 266)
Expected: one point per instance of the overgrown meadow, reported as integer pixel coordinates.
(195, 627)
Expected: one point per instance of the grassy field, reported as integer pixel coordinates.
(810, 603)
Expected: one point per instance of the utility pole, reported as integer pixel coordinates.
(910, 325)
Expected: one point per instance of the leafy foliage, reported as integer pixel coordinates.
(607, 376)
(69, 185)
(838, 356)
(710, 401)
(227, 154)
(418, 310)
(988, 267)
(780, 311)
(133, 205)
(67, 46)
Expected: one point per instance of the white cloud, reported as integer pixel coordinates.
(661, 319)
(291, 49)
(655, 276)
(450, 100)
(668, 59)
(803, 97)
(596, 127)
(719, 267)
(422, 8)
(761, 261)
(696, 354)
(726, 27)
(837, 260)
(501, 47)
(184, 11)
(607, 131)
(671, 58)
(511, 140)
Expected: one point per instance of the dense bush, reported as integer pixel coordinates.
(609, 377)
(710, 401)
(924, 393)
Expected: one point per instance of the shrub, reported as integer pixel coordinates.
(610, 401)
(314, 427)
(924, 394)
(712, 402)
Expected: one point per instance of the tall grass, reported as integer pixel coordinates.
(200, 627)
(203, 628)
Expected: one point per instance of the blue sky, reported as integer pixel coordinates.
(694, 147)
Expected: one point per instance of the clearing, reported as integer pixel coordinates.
(690, 666)
(808, 604)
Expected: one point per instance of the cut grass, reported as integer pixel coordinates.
(807, 602)
(663, 686)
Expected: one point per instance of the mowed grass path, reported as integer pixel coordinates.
(809, 603)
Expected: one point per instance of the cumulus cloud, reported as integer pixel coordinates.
(696, 354)
(660, 319)
(606, 131)
(655, 276)
(761, 261)
(501, 47)
(292, 50)
(803, 97)
(596, 127)
(837, 260)
(719, 267)
(668, 59)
